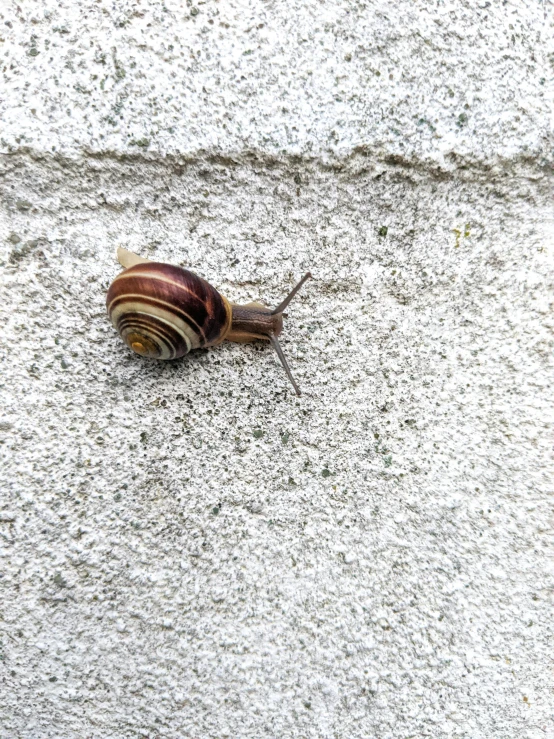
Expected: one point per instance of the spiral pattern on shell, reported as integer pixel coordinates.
(162, 311)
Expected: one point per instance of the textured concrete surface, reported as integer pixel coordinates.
(186, 548)
(442, 82)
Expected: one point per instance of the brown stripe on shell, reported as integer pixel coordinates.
(194, 298)
(164, 316)
(155, 303)
(169, 342)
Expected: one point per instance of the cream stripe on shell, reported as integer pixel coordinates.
(165, 316)
(136, 329)
(130, 297)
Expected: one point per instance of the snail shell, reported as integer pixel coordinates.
(163, 311)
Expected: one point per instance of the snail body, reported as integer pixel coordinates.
(162, 311)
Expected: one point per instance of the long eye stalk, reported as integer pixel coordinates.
(284, 362)
(280, 308)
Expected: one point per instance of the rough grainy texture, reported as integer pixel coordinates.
(186, 548)
(443, 82)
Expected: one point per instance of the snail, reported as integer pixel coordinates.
(163, 311)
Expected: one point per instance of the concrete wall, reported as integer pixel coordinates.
(189, 550)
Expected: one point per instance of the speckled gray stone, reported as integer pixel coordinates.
(186, 548)
(443, 82)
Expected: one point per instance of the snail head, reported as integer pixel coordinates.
(255, 321)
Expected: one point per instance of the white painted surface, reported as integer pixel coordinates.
(187, 550)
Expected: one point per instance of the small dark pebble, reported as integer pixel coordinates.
(59, 580)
